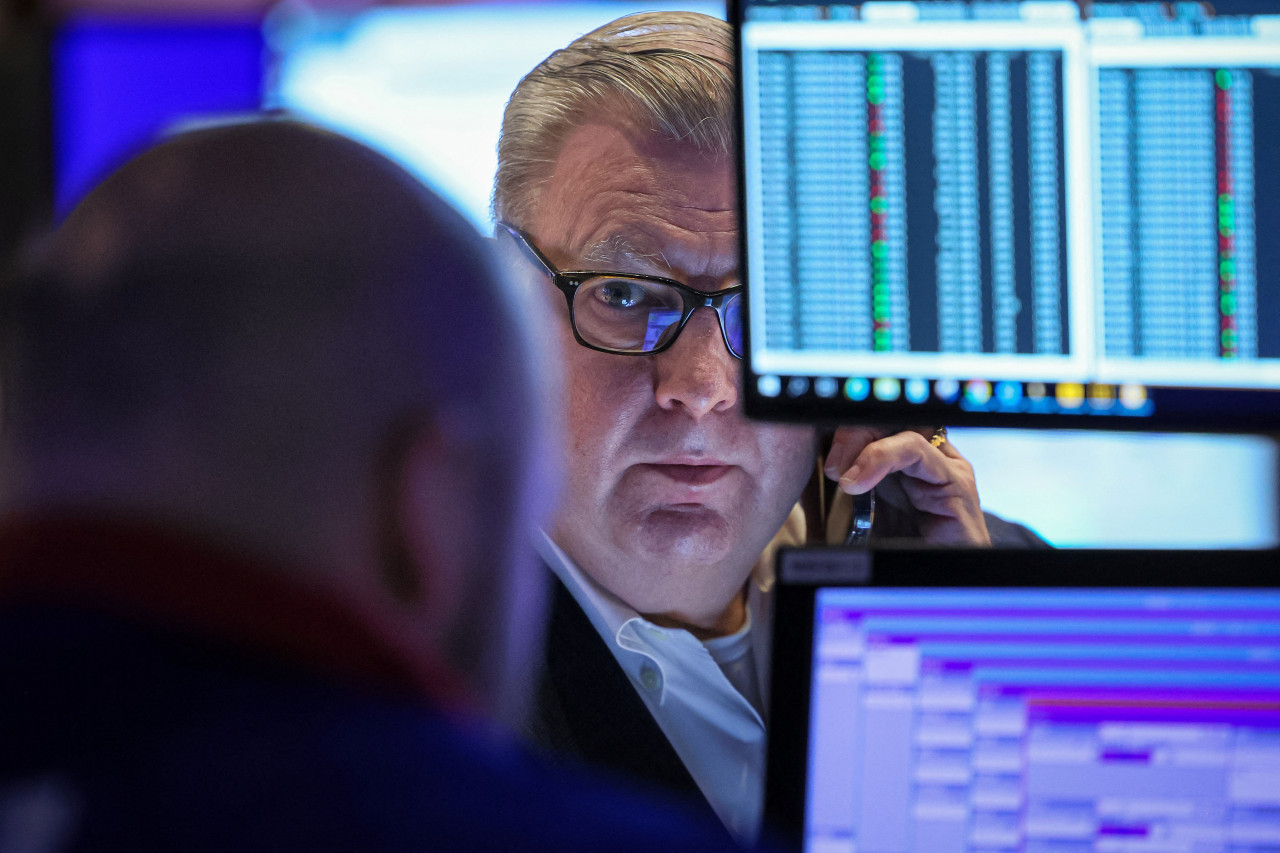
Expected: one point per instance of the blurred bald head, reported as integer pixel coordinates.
(271, 333)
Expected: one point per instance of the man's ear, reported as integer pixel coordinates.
(428, 527)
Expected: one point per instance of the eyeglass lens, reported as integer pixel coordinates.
(632, 315)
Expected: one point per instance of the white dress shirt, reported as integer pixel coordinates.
(709, 698)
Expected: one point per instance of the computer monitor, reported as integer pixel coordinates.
(1039, 701)
(1002, 213)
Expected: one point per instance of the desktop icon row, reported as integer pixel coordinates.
(969, 394)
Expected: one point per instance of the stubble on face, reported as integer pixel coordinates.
(671, 494)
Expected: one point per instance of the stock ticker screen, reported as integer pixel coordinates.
(995, 212)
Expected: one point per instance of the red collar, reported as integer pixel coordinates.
(195, 587)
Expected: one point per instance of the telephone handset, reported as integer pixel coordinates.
(847, 519)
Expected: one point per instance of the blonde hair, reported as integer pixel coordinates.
(672, 70)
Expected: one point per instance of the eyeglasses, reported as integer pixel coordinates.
(631, 314)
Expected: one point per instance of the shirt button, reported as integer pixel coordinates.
(650, 678)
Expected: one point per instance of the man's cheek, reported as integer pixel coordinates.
(791, 454)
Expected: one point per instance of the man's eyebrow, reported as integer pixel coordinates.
(615, 251)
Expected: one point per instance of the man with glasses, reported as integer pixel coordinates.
(615, 196)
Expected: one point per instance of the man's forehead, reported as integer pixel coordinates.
(657, 247)
(620, 249)
(622, 196)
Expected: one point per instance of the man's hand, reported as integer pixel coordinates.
(931, 490)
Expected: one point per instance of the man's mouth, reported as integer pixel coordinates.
(690, 474)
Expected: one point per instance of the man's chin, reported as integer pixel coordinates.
(692, 533)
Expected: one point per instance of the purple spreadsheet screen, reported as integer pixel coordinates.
(1044, 720)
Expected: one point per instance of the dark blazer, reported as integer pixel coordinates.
(1010, 534)
(587, 708)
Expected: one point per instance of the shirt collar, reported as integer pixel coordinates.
(607, 612)
(632, 639)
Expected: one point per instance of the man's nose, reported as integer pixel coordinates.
(698, 373)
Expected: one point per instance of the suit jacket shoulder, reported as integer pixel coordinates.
(1010, 534)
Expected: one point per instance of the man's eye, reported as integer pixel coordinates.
(617, 293)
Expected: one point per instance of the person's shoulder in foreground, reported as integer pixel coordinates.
(249, 595)
(253, 735)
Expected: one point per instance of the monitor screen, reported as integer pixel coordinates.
(1006, 213)
(927, 700)
(1044, 719)
(119, 82)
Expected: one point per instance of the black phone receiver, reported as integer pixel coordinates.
(864, 514)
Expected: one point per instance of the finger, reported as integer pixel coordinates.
(890, 491)
(951, 499)
(948, 514)
(943, 530)
(948, 448)
(847, 443)
(925, 432)
(906, 452)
